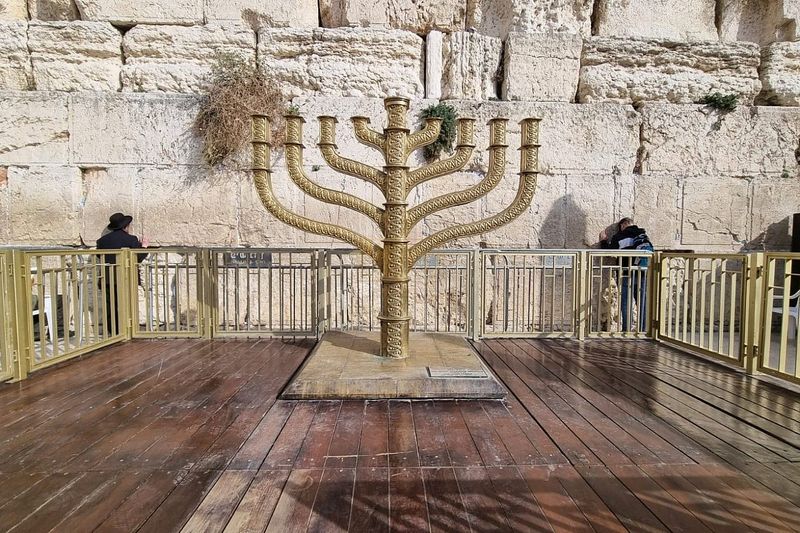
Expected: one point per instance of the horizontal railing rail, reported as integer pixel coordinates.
(58, 304)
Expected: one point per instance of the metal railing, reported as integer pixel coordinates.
(59, 304)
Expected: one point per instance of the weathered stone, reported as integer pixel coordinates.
(5, 226)
(692, 140)
(628, 70)
(780, 74)
(75, 56)
(711, 218)
(53, 10)
(125, 12)
(125, 128)
(178, 59)
(106, 191)
(207, 200)
(257, 227)
(34, 128)
(590, 205)
(13, 10)
(39, 193)
(419, 16)
(685, 20)
(657, 208)
(472, 64)
(774, 201)
(260, 13)
(542, 66)
(758, 21)
(15, 61)
(434, 43)
(344, 62)
(498, 19)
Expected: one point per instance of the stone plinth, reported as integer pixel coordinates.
(346, 365)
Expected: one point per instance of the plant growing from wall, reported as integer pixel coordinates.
(237, 91)
(721, 102)
(447, 133)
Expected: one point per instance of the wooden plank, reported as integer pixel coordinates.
(484, 512)
(460, 448)
(370, 508)
(431, 442)
(561, 512)
(135, 509)
(220, 503)
(408, 510)
(402, 438)
(181, 503)
(344, 448)
(315, 446)
(522, 510)
(446, 509)
(374, 445)
(489, 444)
(294, 506)
(591, 505)
(288, 444)
(334, 501)
(256, 508)
(259, 443)
(514, 439)
(46, 490)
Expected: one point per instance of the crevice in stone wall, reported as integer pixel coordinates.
(719, 9)
(122, 29)
(595, 17)
(31, 78)
(500, 74)
(641, 152)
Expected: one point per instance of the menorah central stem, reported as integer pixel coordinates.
(394, 280)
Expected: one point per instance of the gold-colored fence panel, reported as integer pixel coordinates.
(619, 292)
(702, 301)
(528, 293)
(264, 291)
(7, 316)
(167, 292)
(72, 302)
(779, 347)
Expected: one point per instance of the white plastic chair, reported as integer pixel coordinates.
(51, 326)
(794, 310)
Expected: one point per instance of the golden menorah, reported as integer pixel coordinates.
(395, 220)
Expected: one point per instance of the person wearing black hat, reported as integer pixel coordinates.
(118, 237)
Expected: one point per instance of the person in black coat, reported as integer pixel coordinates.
(117, 237)
(634, 270)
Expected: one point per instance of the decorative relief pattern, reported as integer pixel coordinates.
(352, 168)
(426, 136)
(367, 136)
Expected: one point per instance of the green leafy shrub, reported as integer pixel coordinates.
(447, 134)
(237, 91)
(721, 102)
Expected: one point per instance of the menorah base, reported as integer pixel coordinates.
(347, 365)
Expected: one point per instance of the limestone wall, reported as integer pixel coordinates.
(97, 100)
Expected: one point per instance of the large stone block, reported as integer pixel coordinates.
(542, 66)
(34, 128)
(5, 226)
(344, 62)
(15, 60)
(257, 227)
(187, 206)
(677, 20)
(261, 13)
(53, 10)
(178, 59)
(780, 74)
(44, 193)
(591, 204)
(629, 70)
(691, 140)
(588, 139)
(774, 201)
(757, 21)
(13, 10)
(419, 16)
(498, 19)
(75, 56)
(125, 12)
(136, 129)
(713, 217)
(657, 208)
(106, 191)
(472, 64)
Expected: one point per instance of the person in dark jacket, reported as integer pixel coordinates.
(634, 269)
(118, 237)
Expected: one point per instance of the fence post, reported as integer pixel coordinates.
(20, 291)
(654, 294)
(582, 280)
(207, 288)
(753, 303)
(475, 323)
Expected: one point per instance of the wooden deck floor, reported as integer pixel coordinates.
(605, 435)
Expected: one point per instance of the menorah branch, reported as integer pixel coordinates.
(427, 135)
(367, 136)
(452, 164)
(327, 146)
(497, 166)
